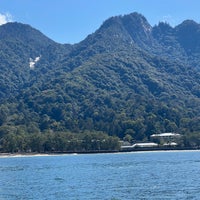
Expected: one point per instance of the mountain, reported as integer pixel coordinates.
(19, 44)
(126, 78)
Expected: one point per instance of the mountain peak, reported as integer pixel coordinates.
(137, 23)
(15, 29)
(189, 22)
(133, 29)
(188, 26)
(23, 32)
(188, 35)
(133, 19)
(137, 18)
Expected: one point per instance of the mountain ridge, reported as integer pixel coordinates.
(125, 78)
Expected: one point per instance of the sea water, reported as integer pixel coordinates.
(120, 176)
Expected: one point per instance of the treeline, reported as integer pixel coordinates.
(51, 142)
(102, 84)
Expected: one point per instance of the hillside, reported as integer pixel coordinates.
(127, 78)
(19, 44)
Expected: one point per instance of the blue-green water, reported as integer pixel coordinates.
(141, 175)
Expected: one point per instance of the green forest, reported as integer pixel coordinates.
(126, 80)
(59, 142)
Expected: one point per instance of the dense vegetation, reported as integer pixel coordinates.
(56, 142)
(126, 79)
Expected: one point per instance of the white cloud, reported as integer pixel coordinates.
(5, 18)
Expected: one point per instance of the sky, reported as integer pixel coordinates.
(70, 21)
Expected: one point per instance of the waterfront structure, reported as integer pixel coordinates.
(166, 139)
(139, 145)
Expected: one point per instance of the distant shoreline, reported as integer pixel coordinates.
(24, 154)
(7, 155)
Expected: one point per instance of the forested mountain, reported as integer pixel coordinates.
(127, 78)
(19, 44)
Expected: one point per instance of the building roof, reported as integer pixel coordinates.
(146, 144)
(170, 144)
(166, 135)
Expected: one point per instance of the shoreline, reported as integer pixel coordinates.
(12, 155)
(136, 150)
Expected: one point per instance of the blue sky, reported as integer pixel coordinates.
(70, 21)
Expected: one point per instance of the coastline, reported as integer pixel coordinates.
(11, 155)
(136, 150)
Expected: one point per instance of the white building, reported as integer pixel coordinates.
(140, 145)
(166, 135)
(166, 139)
